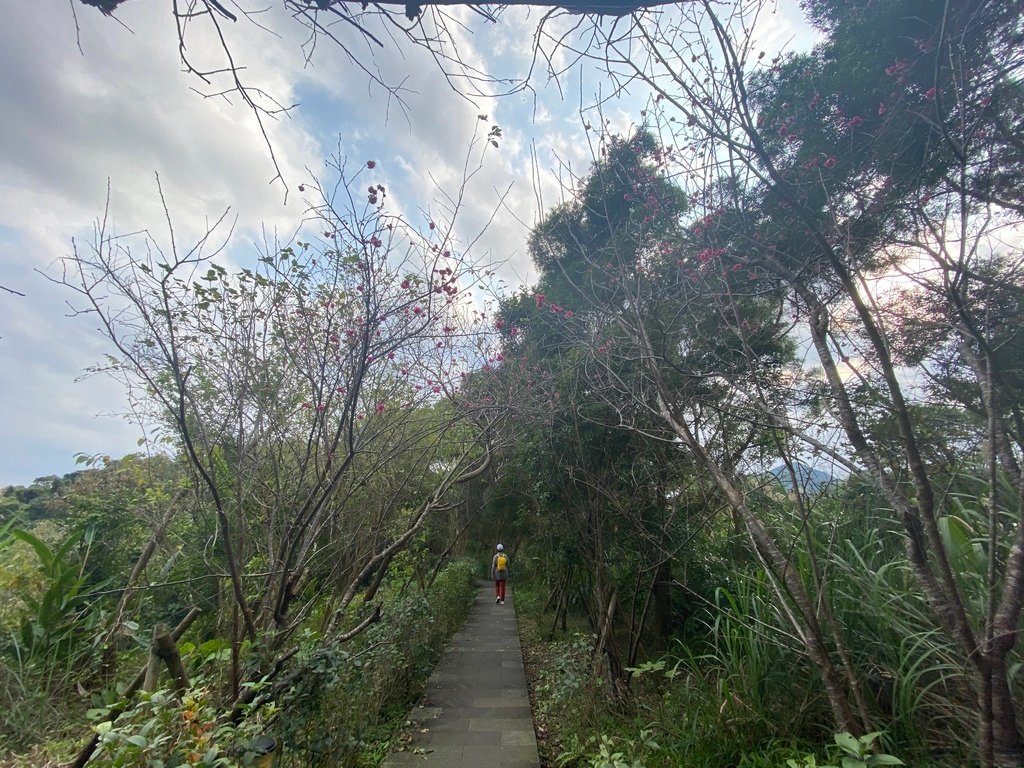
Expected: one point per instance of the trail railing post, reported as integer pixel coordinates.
(164, 651)
(135, 684)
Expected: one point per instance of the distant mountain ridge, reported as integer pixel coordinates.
(809, 478)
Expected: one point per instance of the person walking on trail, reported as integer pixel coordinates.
(499, 573)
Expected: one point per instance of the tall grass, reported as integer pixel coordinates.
(728, 698)
(913, 674)
(737, 688)
(26, 700)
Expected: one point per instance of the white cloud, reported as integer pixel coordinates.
(124, 111)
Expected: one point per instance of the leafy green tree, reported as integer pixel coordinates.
(687, 341)
(613, 496)
(303, 395)
(882, 158)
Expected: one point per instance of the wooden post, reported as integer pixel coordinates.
(153, 665)
(163, 649)
(88, 749)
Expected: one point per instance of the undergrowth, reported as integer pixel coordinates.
(340, 704)
(734, 686)
(352, 699)
(728, 698)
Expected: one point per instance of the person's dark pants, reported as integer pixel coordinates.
(499, 589)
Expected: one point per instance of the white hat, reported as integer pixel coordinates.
(500, 548)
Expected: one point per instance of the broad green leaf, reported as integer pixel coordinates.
(68, 544)
(956, 537)
(42, 551)
(848, 743)
(47, 615)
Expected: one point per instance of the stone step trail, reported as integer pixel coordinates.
(475, 712)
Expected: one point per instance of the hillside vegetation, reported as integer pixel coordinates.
(793, 271)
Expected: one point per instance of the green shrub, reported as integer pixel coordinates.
(346, 699)
(566, 674)
(623, 752)
(161, 730)
(450, 596)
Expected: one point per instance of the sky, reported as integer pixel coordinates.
(93, 106)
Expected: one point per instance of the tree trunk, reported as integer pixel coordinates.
(605, 653)
(1007, 748)
(108, 659)
(663, 600)
(133, 686)
(782, 573)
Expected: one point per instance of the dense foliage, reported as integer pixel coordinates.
(72, 640)
(801, 271)
(755, 438)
